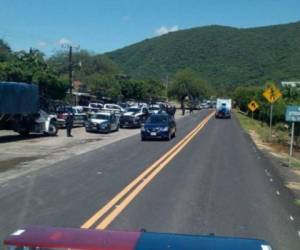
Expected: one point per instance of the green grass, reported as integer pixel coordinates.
(295, 163)
(248, 124)
(279, 137)
(297, 202)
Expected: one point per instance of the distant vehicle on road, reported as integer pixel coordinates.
(160, 126)
(134, 117)
(102, 122)
(50, 238)
(223, 108)
(79, 116)
(204, 105)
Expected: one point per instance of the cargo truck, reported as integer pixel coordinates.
(20, 110)
(223, 108)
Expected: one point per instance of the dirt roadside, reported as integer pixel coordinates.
(20, 156)
(279, 155)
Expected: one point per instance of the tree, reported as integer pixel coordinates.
(90, 64)
(104, 86)
(31, 68)
(5, 51)
(186, 83)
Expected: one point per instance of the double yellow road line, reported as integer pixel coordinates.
(102, 218)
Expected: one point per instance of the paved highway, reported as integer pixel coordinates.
(209, 179)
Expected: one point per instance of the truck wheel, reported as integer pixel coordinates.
(53, 129)
(24, 132)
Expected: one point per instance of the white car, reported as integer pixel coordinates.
(102, 122)
(97, 105)
(154, 109)
(116, 107)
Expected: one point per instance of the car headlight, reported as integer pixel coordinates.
(104, 125)
(165, 129)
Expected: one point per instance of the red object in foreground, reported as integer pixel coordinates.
(67, 238)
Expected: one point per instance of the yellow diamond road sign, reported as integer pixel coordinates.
(253, 106)
(272, 94)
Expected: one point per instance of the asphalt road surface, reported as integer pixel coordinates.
(209, 179)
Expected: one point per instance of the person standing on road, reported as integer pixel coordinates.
(69, 124)
(183, 109)
(174, 110)
(191, 109)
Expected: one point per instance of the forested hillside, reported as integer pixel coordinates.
(221, 55)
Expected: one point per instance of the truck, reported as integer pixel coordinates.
(20, 110)
(223, 108)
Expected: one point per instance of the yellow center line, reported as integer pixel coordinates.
(151, 171)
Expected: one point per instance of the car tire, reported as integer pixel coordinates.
(169, 136)
(174, 134)
(53, 129)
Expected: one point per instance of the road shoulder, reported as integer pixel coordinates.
(289, 177)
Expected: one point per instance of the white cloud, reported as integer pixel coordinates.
(164, 30)
(63, 41)
(42, 44)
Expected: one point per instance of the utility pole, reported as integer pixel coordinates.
(70, 47)
(167, 86)
(70, 69)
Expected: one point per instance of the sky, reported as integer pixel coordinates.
(105, 25)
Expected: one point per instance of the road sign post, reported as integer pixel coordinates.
(271, 119)
(253, 106)
(272, 94)
(292, 114)
(292, 142)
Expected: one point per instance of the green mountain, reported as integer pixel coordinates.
(221, 55)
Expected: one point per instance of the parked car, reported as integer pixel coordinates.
(88, 110)
(204, 105)
(134, 117)
(102, 122)
(154, 109)
(114, 107)
(97, 105)
(79, 116)
(161, 126)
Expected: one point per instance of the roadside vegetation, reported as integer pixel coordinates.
(260, 132)
(290, 96)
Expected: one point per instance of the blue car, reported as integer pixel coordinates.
(159, 126)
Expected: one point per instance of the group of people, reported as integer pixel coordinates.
(171, 110)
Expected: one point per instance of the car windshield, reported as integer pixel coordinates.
(100, 116)
(135, 110)
(157, 119)
(154, 108)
